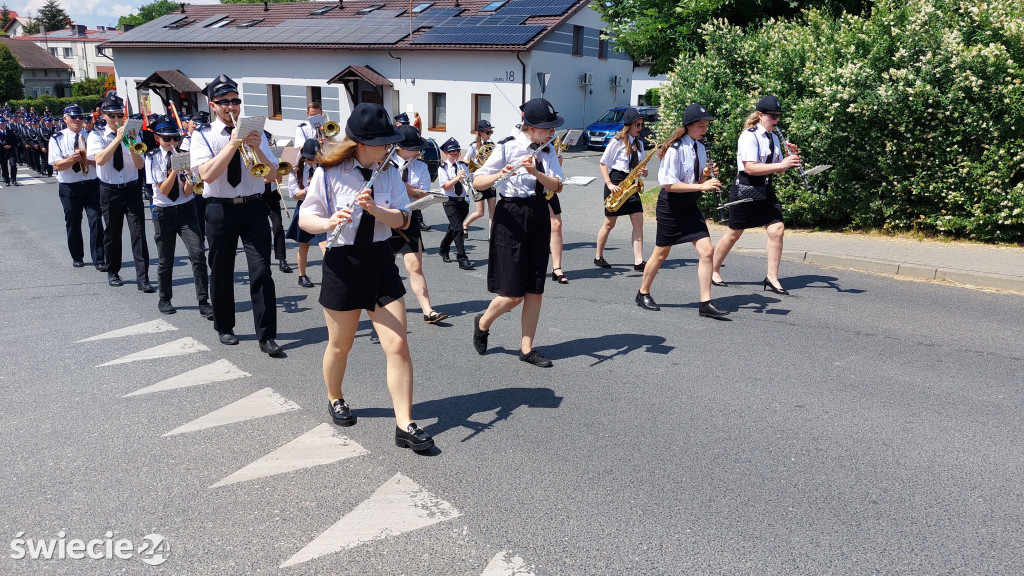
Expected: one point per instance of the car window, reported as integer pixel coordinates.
(612, 116)
(650, 115)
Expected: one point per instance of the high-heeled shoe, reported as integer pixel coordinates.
(719, 282)
(769, 286)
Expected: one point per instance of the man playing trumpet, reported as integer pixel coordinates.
(77, 187)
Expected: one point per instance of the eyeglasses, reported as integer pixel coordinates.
(228, 102)
(488, 132)
(774, 116)
(75, 116)
(114, 114)
(169, 138)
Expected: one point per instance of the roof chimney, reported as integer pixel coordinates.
(182, 7)
(80, 28)
(341, 4)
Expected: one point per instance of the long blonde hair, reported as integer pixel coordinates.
(334, 153)
(752, 120)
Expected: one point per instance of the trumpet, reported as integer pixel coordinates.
(250, 159)
(329, 129)
(467, 183)
(283, 168)
(134, 145)
(191, 181)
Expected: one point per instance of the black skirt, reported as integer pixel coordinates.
(679, 219)
(489, 193)
(632, 205)
(360, 279)
(520, 246)
(757, 213)
(298, 234)
(410, 239)
(556, 206)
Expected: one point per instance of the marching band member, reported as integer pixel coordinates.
(555, 215)
(9, 144)
(484, 130)
(78, 187)
(174, 216)
(759, 156)
(360, 273)
(621, 155)
(298, 183)
(450, 174)
(272, 200)
(235, 210)
(120, 194)
(519, 247)
(684, 174)
(409, 242)
(200, 120)
(306, 130)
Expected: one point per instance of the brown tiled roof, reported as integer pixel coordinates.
(32, 56)
(193, 27)
(367, 73)
(174, 78)
(68, 35)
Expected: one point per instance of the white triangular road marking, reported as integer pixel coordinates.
(321, 445)
(220, 371)
(502, 566)
(399, 505)
(179, 347)
(265, 402)
(154, 327)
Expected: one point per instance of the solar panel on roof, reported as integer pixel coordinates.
(462, 34)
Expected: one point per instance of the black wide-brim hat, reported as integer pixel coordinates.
(539, 113)
(769, 104)
(370, 125)
(630, 115)
(310, 148)
(696, 113)
(411, 139)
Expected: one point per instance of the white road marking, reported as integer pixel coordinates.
(502, 566)
(265, 402)
(579, 180)
(28, 182)
(220, 371)
(399, 505)
(321, 445)
(179, 347)
(154, 327)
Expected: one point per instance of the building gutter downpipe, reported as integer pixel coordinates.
(523, 76)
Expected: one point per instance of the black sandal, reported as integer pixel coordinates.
(560, 278)
(434, 317)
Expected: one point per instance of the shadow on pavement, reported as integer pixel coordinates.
(603, 348)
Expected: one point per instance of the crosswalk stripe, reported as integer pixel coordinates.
(154, 327)
(321, 445)
(500, 565)
(220, 371)
(179, 347)
(399, 505)
(265, 402)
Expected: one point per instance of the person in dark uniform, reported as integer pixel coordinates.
(759, 158)
(49, 128)
(359, 273)
(521, 235)
(272, 201)
(149, 141)
(9, 144)
(235, 210)
(298, 184)
(199, 121)
(120, 196)
(174, 216)
(622, 154)
(684, 174)
(450, 174)
(78, 187)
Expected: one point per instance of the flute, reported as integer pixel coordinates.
(369, 184)
(531, 155)
(785, 149)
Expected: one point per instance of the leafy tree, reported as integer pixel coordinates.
(31, 25)
(11, 87)
(87, 87)
(53, 17)
(5, 16)
(148, 12)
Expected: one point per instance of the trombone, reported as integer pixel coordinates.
(329, 129)
(249, 157)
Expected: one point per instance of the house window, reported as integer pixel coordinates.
(438, 116)
(493, 6)
(53, 52)
(314, 94)
(602, 49)
(421, 7)
(577, 40)
(274, 101)
(67, 53)
(481, 108)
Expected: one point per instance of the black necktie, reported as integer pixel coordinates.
(634, 157)
(118, 156)
(175, 191)
(235, 165)
(405, 173)
(771, 148)
(458, 185)
(538, 188)
(364, 234)
(76, 167)
(696, 165)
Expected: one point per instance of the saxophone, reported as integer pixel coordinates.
(559, 148)
(632, 184)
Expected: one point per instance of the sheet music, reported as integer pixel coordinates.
(251, 124)
(572, 137)
(132, 127)
(317, 120)
(817, 169)
(432, 197)
(181, 161)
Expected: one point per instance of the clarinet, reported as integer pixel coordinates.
(785, 150)
(711, 164)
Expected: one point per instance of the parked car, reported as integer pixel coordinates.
(599, 133)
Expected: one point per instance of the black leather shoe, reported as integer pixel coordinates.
(340, 413)
(466, 265)
(114, 280)
(413, 437)
(228, 338)
(283, 265)
(206, 310)
(424, 226)
(101, 266)
(146, 287)
(445, 256)
(78, 264)
(769, 286)
(640, 267)
(479, 336)
(270, 347)
(165, 307)
(536, 358)
(722, 283)
(601, 263)
(708, 310)
(646, 302)
(305, 282)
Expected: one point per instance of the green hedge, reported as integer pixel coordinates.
(920, 106)
(88, 103)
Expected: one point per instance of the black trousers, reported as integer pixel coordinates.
(170, 222)
(200, 206)
(119, 204)
(9, 166)
(75, 198)
(272, 200)
(456, 210)
(225, 224)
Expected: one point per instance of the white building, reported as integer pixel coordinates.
(643, 81)
(452, 61)
(78, 47)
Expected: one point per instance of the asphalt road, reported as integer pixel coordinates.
(862, 425)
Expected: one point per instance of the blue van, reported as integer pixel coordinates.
(599, 133)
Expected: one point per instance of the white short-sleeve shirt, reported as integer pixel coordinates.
(522, 184)
(616, 154)
(100, 139)
(753, 147)
(156, 173)
(62, 145)
(677, 165)
(207, 143)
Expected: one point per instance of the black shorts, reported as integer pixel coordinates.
(556, 206)
(489, 193)
(520, 246)
(408, 241)
(360, 279)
